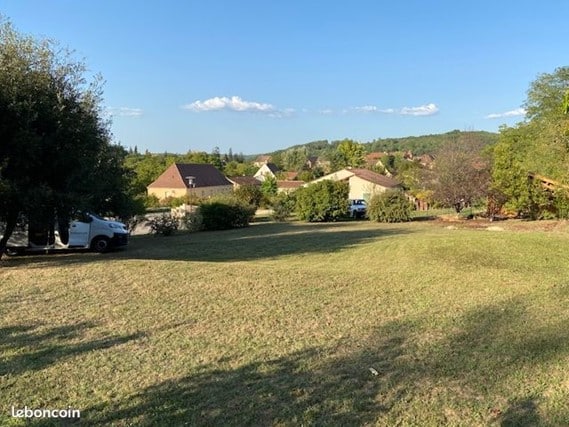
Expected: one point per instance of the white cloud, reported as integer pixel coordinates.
(423, 110)
(512, 113)
(326, 111)
(366, 109)
(235, 103)
(287, 112)
(124, 112)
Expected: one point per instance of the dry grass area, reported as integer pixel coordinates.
(296, 324)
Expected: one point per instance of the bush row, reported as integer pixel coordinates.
(320, 202)
(215, 214)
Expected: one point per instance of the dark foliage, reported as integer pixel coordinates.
(390, 206)
(323, 201)
(223, 215)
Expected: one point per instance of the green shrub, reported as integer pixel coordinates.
(186, 199)
(283, 206)
(249, 195)
(269, 187)
(561, 203)
(323, 201)
(225, 214)
(390, 206)
(164, 225)
(151, 201)
(192, 221)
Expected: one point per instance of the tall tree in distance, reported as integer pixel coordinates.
(55, 147)
(294, 159)
(461, 173)
(348, 154)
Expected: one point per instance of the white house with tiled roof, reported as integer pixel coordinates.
(363, 182)
(267, 170)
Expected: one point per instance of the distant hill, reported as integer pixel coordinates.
(416, 144)
(428, 143)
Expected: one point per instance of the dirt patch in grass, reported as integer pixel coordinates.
(559, 226)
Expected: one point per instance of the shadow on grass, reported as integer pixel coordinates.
(468, 373)
(31, 348)
(259, 241)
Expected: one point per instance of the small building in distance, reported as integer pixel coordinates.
(363, 182)
(267, 170)
(261, 160)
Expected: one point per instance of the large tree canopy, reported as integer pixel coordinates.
(348, 154)
(55, 148)
(538, 146)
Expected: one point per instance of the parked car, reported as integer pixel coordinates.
(85, 231)
(357, 208)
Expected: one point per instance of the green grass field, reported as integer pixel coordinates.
(296, 324)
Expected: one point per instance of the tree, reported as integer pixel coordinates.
(461, 175)
(510, 168)
(56, 152)
(215, 158)
(546, 95)
(538, 146)
(295, 159)
(348, 154)
(233, 168)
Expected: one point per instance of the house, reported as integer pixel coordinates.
(317, 162)
(261, 160)
(312, 162)
(288, 186)
(268, 169)
(239, 181)
(363, 182)
(181, 179)
(374, 159)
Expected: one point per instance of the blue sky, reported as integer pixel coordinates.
(261, 75)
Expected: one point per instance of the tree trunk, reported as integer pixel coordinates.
(11, 222)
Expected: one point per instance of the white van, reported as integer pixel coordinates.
(86, 231)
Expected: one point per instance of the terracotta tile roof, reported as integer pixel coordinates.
(375, 178)
(291, 176)
(205, 175)
(374, 156)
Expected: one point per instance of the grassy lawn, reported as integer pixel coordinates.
(296, 324)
